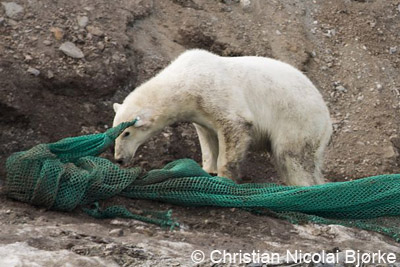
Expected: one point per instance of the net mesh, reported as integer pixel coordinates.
(69, 173)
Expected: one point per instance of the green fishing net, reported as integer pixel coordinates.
(69, 173)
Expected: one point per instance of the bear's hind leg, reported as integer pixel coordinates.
(209, 148)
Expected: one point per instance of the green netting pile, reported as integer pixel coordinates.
(69, 173)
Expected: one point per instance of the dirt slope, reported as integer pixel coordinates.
(349, 49)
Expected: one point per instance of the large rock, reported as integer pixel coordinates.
(13, 10)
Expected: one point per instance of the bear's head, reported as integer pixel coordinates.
(132, 137)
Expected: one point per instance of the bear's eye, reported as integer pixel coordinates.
(126, 134)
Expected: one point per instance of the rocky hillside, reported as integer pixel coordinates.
(63, 64)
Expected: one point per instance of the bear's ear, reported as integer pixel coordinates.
(116, 106)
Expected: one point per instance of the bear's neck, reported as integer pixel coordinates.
(171, 110)
(165, 111)
(165, 101)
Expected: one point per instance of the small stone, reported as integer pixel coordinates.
(379, 86)
(341, 88)
(28, 58)
(389, 152)
(392, 50)
(360, 143)
(278, 32)
(116, 232)
(116, 58)
(94, 31)
(313, 54)
(111, 246)
(226, 9)
(118, 222)
(33, 71)
(71, 50)
(57, 32)
(330, 33)
(47, 42)
(245, 4)
(83, 21)
(1, 20)
(13, 10)
(88, 8)
(50, 74)
(12, 23)
(100, 46)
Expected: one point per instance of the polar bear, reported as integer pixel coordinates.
(235, 103)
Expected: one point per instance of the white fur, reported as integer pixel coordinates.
(235, 103)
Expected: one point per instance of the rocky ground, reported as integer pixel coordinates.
(63, 64)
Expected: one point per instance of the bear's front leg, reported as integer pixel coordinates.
(233, 146)
(209, 148)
